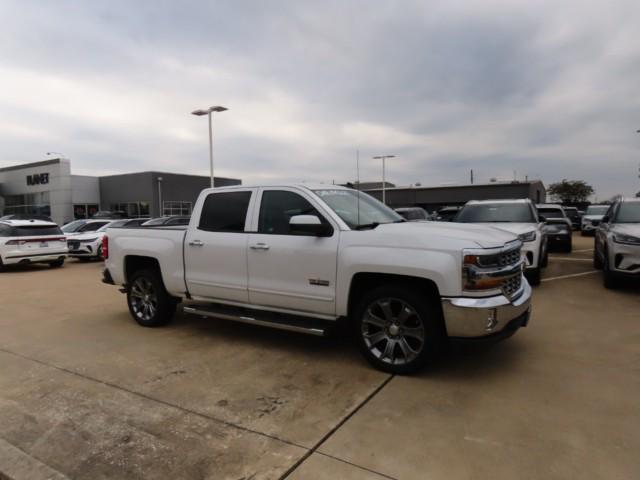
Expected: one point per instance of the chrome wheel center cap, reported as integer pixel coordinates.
(394, 330)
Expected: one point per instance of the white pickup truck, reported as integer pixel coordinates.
(301, 257)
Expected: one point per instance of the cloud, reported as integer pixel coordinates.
(543, 88)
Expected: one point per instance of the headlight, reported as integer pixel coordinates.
(527, 237)
(89, 240)
(626, 239)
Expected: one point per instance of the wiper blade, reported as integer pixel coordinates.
(366, 226)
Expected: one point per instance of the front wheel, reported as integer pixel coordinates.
(534, 276)
(398, 329)
(149, 302)
(610, 279)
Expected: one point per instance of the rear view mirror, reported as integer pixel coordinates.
(605, 219)
(542, 218)
(309, 225)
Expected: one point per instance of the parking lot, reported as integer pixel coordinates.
(86, 393)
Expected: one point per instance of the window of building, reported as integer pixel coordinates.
(30, 203)
(225, 212)
(278, 206)
(170, 208)
(132, 209)
(84, 210)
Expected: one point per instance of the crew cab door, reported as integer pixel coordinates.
(215, 249)
(289, 269)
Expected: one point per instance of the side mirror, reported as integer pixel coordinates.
(605, 219)
(309, 225)
(542, 218)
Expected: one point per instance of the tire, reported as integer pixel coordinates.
(597, 263)
(534, 276)
(84, 259)
(149, 302)
(568, 246)
(610, 279)
(379, 326)
(544, 261)
(57, 263)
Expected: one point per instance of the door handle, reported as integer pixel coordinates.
(260, 246)
(196, 243)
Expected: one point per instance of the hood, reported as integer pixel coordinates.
(512, 227)
(85, 235)
(464, 235)
(632, 229)
(592, 217)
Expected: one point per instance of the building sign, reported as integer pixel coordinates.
(38, 179)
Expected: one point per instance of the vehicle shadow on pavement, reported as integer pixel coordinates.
(338, 343)
(456, 361)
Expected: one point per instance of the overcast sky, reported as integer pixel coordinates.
(548, 89)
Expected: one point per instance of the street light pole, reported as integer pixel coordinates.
(384, 182)
(208, 112)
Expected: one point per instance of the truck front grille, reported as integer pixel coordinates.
(510, 257)
(511, 286)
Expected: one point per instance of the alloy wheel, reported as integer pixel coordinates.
(143, 298)
(393, 331)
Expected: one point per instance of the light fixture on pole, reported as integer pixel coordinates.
(208, 112)
(384, 183)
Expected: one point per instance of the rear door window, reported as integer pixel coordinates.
(225, 212)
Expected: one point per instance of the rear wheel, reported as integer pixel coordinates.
(149, 302)
(399, 330)
(57, 263)
(568, 246)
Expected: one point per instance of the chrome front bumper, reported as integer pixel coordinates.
(467, 317)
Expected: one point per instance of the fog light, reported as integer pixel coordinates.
(492, 319)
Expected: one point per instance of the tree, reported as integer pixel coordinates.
(571, 191)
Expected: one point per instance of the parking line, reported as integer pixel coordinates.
(584, 250)
(572, 259)
(562, 277)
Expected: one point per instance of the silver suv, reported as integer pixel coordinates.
(617, 242)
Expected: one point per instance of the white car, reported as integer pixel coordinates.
(86, 244)
(592, 217)
(518, 217)
(302, 257)
(31, 241)
(617, 242)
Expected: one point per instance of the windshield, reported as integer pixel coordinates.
(496, 212)
(629, 212)
(551, 212)
(73, 226)
(356, 213)
(597, 210)
(119, 223)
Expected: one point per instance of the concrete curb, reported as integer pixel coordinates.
(18, 465)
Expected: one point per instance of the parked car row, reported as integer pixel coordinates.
(36, 240)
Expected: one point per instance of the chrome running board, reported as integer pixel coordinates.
(292, 323)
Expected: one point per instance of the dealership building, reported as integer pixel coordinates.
(433, 198)
(48, 188)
